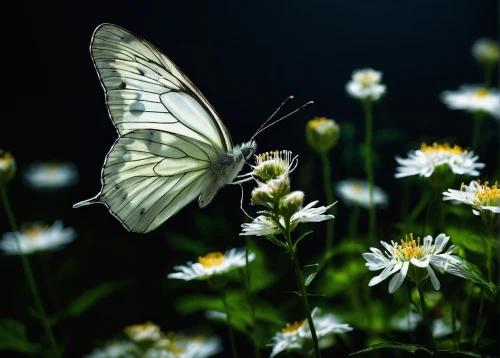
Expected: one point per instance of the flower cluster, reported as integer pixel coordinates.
(284, 208)
(428, 159)
(365, 85)
(148, 341)
(297, 336)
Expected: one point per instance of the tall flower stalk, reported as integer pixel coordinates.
(284, 210)
(7, 170)
(365, 86)
(322, 135)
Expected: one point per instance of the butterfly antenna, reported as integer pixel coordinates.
(262, 128)
(241, 204)
(272, 115)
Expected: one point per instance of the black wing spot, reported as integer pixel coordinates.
(122, 86)
(125, 197)
(141, 72)
(143, 211)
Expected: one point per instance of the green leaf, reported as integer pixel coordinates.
(275, 241)
(13, 337)
(90, 297)
(467, 239)
(412, 348)
(261, 276)
(308, 273)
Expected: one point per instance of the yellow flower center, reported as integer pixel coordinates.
(442, 148)
(212, 259)
(33, 231)
(358, 188)
(290, 328)
(482, 92)
(487, 193)
(169, 343)
(408, 249)
(52, 166)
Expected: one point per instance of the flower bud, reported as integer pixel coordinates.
(485, 51)
(271, 165)
(290, 203)
(322, 134)
(7, 167)
(269, 193)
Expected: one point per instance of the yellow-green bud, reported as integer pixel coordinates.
(290, 203)
(7, 167)
(268, 194)
(486, 51)
(322, 134)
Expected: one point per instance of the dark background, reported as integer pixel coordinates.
(245, 58)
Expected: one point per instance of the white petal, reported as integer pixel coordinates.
(398, 279)
(434, 280)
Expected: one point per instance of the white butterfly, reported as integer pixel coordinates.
(172, 145)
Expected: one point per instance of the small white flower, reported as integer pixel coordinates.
(180, 346)
(146, 332)
(357, 192)
(480, 197)
(298, 336)
(485, 51)
(215, 263)
(398, 257)
(424, 161)
(474, 98)
(36, 237)
(118, 349)
(365, 85)
(216, 316)
(271, 165)
(263, 225)
(50, 175)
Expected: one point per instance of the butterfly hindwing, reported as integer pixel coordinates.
(149, 175)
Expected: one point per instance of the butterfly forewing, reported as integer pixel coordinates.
(145, 89)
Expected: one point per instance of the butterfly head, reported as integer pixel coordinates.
(248, 149)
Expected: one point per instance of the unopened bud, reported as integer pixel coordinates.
(7, 167)
(486, 51)
(269, 193)
(291, 203)
(322, 134)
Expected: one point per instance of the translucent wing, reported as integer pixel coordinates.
(145, 90)
(149, 175)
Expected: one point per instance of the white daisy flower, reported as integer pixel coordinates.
(357, 192)
(118, 349)
(298, 336)
(50, 175)
(410, 256)
(214, 263)
(180, 346)
(365, 85)
(480, 197)
(34, 238)
(485, 50)
(424, 161)
(474, 98)
(263, 225)
(146, 332)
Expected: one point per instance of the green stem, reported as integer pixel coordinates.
(488, 74)
(429, 210)
(476, 134)
(29, 275)
(367, 106)
(477, 331)
(353, 222)
(248, 287)
(427, 321)
(327, 170)
(231, 333)
(302, 290)
(424, 199)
